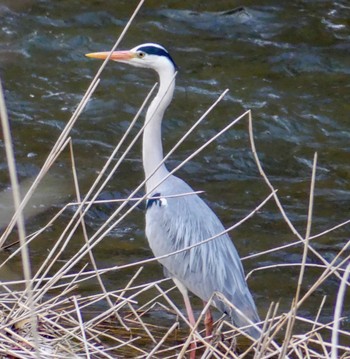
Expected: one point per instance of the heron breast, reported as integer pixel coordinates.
(156, 200)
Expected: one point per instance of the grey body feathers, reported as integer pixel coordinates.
(179, 222)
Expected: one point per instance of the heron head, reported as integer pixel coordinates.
(147, 55)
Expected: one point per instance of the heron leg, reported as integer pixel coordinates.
(208, 322)
(189, 310)
(192, 321)
(190, 314)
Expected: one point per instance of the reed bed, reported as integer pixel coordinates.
(46, 315)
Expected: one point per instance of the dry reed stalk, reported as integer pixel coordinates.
(160, 343)
(64, 134)
(337, 312)
(81, 325)
(27, 271)
(292, 314)
(83, 251)
(92, 188)
(277, 200)
(54, 279)
(296, 243)
(83, 225)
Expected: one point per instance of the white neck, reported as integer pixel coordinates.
(152, 149)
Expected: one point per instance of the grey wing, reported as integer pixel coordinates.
(176, 223)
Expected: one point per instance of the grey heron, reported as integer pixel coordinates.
(176, 222)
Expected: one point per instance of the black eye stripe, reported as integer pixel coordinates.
(153, 200)
(153, 50)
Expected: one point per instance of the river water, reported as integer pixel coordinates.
(289, 62)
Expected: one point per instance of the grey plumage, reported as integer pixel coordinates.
(174, 223)
(179, 222)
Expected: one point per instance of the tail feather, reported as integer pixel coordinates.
(243, 314)
(246, 321)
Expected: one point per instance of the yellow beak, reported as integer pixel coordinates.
(115, 56)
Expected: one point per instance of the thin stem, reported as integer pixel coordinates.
(20, 218)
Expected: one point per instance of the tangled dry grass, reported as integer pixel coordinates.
(46, 314)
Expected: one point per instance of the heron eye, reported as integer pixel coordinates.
(141, 54)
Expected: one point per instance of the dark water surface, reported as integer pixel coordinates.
(287, 61)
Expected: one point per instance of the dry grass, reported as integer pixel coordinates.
(45, 315)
